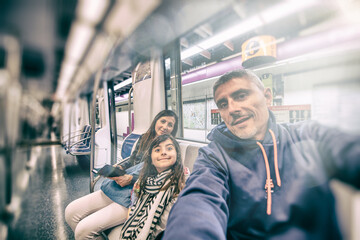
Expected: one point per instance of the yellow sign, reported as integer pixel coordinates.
(261, 47)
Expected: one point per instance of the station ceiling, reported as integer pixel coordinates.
(42, 28)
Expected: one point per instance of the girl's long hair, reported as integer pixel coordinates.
(151, 133)
(177, 177)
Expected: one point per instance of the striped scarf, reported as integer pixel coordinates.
(147, 210)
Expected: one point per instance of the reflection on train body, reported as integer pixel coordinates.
(75, 97)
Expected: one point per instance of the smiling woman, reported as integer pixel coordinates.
(165, 125)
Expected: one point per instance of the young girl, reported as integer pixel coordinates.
(90, 215)
(160, 181)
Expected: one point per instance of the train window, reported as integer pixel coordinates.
(122, 117)
(100, 109)
(122, 86)
(306, 52)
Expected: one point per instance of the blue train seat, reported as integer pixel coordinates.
(128, 145)
(70, 136)
(79, 145)
(82, 146)
(76, 138)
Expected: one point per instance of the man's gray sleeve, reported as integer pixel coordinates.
(201, 211)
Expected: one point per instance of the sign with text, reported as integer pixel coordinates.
(215, 117)
(291, 113)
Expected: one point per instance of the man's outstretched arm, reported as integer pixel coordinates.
(201, 211)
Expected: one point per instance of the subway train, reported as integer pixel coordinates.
(82, 80)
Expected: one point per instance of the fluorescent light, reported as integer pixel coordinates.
(126, 15)
(78, 41)
(68, 69)
(82, 75)
(66, 75)
(285, 9)
(99, 51)
(60, 92)
(55, 109)
(191, 52)
(92, 11)
(241, 28)
(223, 36)
(123, 84)
(270, 15)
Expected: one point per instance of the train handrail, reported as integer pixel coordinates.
(92, 123)
(79, 150)
(66, 137)
(129, 109)
(82, 136)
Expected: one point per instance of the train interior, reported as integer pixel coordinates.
(84, 79)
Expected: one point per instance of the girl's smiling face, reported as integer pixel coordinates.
(163, 156)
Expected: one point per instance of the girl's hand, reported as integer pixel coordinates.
(122, 180)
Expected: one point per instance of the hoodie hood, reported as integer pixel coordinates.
(223, 136)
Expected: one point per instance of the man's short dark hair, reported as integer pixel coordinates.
(242, 73)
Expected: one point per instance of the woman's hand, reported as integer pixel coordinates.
(122, 180)
(119, 166)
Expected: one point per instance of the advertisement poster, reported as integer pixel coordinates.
(291, 113)
(215, 117)
(142, 72)
(194, 115)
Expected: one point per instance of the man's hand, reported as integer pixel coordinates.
(122, 180)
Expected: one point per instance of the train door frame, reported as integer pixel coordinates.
(173, 82)
(109, 86)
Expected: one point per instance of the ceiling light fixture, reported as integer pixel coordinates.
(123, 84)
(78, 42)
(92, 11)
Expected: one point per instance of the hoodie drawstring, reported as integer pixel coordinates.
(269, 183)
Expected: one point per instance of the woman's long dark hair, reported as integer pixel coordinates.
(151, 133)
(177, 176)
